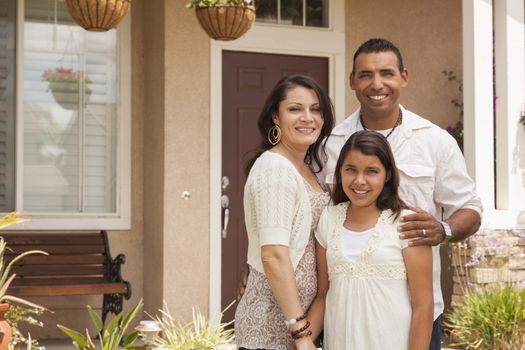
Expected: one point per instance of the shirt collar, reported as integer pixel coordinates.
(411, 121)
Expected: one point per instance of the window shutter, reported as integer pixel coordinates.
(7, 105)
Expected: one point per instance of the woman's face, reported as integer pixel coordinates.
(299, 118)
(363, 178)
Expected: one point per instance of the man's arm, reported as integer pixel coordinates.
(463, 223)
(455, 192)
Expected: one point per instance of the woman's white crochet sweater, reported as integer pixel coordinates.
(276, 208)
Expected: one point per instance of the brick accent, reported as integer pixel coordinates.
(490, 257)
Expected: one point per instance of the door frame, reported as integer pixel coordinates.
(317, 42)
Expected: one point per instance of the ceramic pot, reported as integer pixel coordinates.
(5, 329)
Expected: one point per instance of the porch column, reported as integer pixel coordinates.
(478, 96)
(510, 92)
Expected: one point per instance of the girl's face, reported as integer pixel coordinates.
(363, 178)
(299, 118)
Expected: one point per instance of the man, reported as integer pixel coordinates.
(434, 180)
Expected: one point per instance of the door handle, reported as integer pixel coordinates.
(226, 220)
(225, 203)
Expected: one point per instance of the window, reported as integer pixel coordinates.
(63, 123)
(305, 13)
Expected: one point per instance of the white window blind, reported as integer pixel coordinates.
(7, 105)
(70, 114)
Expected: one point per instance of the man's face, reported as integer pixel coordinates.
(377, 83)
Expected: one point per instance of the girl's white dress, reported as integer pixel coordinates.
(368, 302)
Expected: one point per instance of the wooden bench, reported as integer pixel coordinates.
(77, 264)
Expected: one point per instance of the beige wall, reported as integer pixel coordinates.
(187, 149)
(429, 35)
(153, 80)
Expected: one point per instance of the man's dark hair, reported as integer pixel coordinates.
(377, 45)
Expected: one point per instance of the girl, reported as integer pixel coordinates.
(377, 289)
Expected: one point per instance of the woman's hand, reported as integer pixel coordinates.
(304, 343)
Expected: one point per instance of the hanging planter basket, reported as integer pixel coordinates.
(65, 86)
(67, 94)
(226, 22)
(97, 15)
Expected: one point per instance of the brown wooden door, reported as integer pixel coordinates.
(247, 79)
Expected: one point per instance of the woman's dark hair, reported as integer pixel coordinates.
(271, 108)
(371, 143)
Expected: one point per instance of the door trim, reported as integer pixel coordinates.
(329, 43)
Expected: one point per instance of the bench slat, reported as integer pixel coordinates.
(39, 259)
(58, 270)
(57, 249)
(42, 281)
(53, 239)
(67, 289)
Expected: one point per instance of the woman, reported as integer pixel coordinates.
(377, 288)
(282, 202)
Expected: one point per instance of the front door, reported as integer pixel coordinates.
(247, 79)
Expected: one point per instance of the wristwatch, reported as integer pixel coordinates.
(448, 231)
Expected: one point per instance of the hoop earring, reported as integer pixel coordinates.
(274, 135)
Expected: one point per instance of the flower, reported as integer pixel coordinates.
(211, 3)
(64, 75)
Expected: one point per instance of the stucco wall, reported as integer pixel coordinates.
(153, 79)
(429, 35)
(176, 158)
(187, 148)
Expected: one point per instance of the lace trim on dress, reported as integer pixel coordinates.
(339, 264)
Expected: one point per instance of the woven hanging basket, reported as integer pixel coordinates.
(226, 22)
(97, 15)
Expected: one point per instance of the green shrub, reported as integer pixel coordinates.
(490, 318)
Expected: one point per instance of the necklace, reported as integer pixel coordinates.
(398, 122)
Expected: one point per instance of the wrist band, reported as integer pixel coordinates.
(294, 320)
(300, 330)
(302, 335)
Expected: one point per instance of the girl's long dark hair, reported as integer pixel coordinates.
(271, 108)
(371, 143)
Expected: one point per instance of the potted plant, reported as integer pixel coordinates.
(224, 19)
(201, 333)
(98, 15)
(19, 315)
(6, 278)
(63, 82)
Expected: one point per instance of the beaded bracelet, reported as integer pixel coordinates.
(301, 335)
(300, 330)
(294, 320)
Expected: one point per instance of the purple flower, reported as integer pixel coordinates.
(475, 259)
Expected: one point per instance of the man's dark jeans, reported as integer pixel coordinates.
(435, 341)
